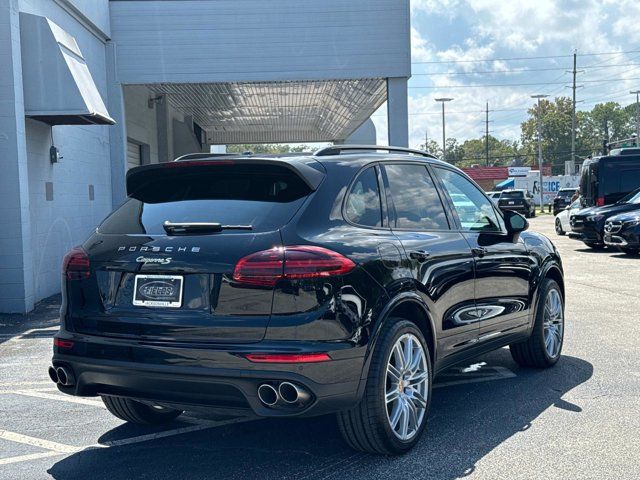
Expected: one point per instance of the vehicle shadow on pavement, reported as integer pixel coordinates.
(467, 422)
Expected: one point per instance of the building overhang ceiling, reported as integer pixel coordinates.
(277, 112)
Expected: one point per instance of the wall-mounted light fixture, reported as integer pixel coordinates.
(154, 100)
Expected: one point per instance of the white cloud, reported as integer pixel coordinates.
(484, 29)
(421, 51)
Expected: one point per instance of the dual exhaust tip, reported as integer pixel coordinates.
(286, 393)
(62, 376)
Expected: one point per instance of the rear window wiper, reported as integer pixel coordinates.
(186, 228)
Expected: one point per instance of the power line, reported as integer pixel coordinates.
(506, 59)
(518, 70)
(494, 85)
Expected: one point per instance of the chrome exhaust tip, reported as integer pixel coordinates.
(53, 375)
(268, 395)
(65, 376)
(292, 393)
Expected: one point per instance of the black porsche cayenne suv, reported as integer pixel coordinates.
(339, 282)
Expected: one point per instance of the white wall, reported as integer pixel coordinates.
(253, 40)
(67, 220)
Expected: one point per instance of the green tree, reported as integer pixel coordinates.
(555, 119)
(605, 121)
(432, 147)
(268, 148)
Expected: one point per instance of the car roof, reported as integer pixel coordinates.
(522, 190)
(356, 155)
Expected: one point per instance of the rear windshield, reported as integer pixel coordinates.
(265, 198)
(620, 177)
(566, 193)
(508, 195)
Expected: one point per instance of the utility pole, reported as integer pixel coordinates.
(539, 129)
(444, 136)
(637, 94)
(486, 136)
(426, 139)
(574, 72)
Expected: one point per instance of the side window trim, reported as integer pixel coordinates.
(391, 206)
(451, 207)
(382, 192)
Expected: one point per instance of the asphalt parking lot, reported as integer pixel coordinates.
(489, 420)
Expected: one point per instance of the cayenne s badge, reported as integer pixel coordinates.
(158, 260)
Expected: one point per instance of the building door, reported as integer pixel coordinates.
(134, 154)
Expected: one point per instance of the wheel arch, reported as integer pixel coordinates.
(410, 306)
(553, 272)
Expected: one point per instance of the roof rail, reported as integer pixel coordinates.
(199, 156)
(338, 149)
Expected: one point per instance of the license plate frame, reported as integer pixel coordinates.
(156, 298)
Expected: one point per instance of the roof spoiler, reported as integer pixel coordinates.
(302, 167)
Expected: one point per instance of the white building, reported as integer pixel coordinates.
(113, 84)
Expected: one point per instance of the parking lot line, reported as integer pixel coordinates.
(59, 398)
(38, 442)
(30, 456)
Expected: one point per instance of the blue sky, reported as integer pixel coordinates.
(456, 42)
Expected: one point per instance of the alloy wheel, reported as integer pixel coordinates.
(406, 387)
(553, 323)
(558, 226)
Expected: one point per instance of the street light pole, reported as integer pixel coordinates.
(444, 136)
(637, 94)
(539, 129)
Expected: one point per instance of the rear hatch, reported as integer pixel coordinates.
(511, 200)
(162, 264)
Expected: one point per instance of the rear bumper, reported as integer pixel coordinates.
(515, 208)
(207, 377)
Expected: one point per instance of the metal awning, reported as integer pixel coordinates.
(273, 112)
(508, 183)
(58, 87)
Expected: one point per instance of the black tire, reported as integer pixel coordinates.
(137, 412)
(532, 352)
(630, 251)
(559, 229)
(595, 246)
(366, 426)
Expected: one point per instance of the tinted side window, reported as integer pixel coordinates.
(415, 198)
(363, 202)
(474, 210)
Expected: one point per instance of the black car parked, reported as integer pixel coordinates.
(520, 201)
(337, 282)
(588, 225)
(623, 231)
(562, 199)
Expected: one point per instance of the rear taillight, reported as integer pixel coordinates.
(287, 357)
(66, 344)
(295, 262)
(600, 201)
(76, 264)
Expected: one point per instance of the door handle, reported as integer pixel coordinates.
(479, 251)
(419, 255)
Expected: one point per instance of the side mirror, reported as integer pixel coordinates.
(515, 222)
